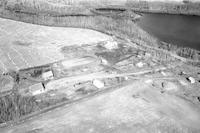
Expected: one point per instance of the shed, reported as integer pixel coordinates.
(191, 80)
(97, 83)
(140, 64)
(110, 45)
(36, 89)
(47, 75)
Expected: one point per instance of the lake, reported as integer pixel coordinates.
(181, 30)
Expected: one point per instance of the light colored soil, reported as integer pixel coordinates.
(25, 45)
(138, 107)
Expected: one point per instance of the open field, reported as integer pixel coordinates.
(25, 45)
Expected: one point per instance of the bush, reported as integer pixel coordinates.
(15, 106)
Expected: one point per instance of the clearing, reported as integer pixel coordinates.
(26, 45)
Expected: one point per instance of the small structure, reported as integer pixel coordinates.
(47, 75)
(104, 61)
(140, 64)
(163, 73)
(110, 45)
(36, 89)
(97, 83)
(191, 79)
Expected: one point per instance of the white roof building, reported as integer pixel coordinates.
(191, 79)
(97, 83)
(110, 45)
(140, 64)
(47, 75)
(36, 89)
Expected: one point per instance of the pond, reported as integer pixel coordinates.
(181, 30)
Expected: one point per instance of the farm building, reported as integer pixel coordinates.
(36, 89)
(47, 75)
(191, 80)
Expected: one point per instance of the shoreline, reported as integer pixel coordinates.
(164, 12)
(190, 8)
(170, 46)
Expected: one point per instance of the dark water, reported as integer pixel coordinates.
(176, 29)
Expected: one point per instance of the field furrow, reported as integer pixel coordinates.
(7, 60)
(2, 67)
(17, 59)
(11, 60)
(21, 57)
(51, 54)
(32, 59)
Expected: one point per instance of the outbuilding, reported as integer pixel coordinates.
(191, 80)
(47, 75)
(140, 64)
(36, 89)
(98, 83)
